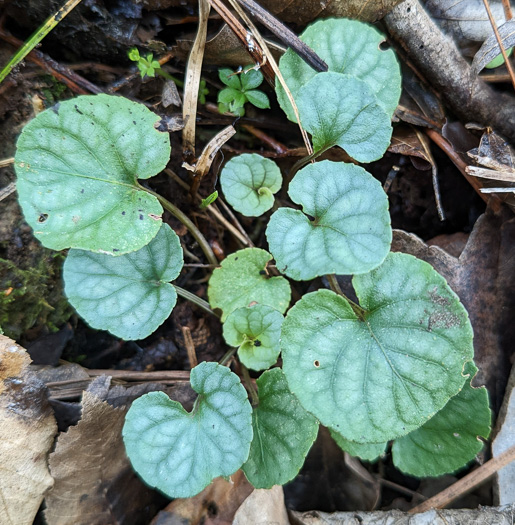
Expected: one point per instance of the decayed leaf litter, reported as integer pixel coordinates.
(492, 374)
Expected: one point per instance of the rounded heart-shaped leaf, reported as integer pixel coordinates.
(351, 230)
(249, 182)
(379, 371)
(256, 330)
(340, 110)
(242, 279)
(129, 295)
(283, 433)
(450, 439)
(78, 164)
(346, 46)
(364, 451)
(180, 453)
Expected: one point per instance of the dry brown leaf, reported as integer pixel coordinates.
(263, 506)
(94, 483)
(405, 141)
(215, 505)
(483, 279)
(27, 431)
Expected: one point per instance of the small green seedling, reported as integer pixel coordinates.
(208, 200)
(241, 88)
(395, 368)
(147, 65)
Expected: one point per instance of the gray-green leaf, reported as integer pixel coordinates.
(242, 279)
(351, 230)
(256, 331)
(130, 295)
(342, 110)
(283, 433)
(450, 439)
(378, 374)
(364, 451)
(180, 453)
(249, 182)
(78, 164)
(347, 46)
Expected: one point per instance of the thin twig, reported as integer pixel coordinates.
(8, 190)
(277, 146)
(6, 162)
(507, 9)
(467, 483)
(185, 294)
(499, 41)
(190, 346)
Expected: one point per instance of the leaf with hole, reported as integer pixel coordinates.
(130, 295)
(283, 433)
(364, 451)
(249, 182)
(346, 46)
(378, 371)
(340, 110)
(450, 439)
(180, 453)
(255, 330)
(243, 279)
(78, 164)
(350, 232)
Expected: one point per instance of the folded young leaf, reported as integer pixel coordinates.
(340, 110)
(78, 164)
(249, 182)
(364, 451)
(283, 433)
(375, 374)
(131, 295)
(242, 279)
(450, 439)
(346, 46)
(180, 453)
(351, 230)
(256, 331)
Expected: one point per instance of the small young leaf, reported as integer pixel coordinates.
(256, 331)
(180, 453)
(228, 95)
(350, 232)
(243, 279)
(133, 54)
(364, 451)
(251, 78)
(258, 99)
(379, 374)
(130, 295)
(208, 200)
(78, 164)
(350, 47)
(342, 110)
(228, 77)
(249, 182)
(450, 439)
(283, 433)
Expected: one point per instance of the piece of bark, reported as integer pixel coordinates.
(439, 60)
(27, 432)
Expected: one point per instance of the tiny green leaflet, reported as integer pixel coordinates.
(346, 46)
(378, 371)
(364, 451)
(340, 110)
(77, 166)
(450, 439)
(249, 182)
(351, 230)
(129, 295)
(243, 279)
(180, 453)
(283, 433)
(256, 330)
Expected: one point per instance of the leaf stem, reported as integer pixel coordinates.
(178, 214)
(254, 399)
(227, 356)
(194, 299)
(335, 287)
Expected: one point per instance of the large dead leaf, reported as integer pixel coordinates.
(94, 482)
(483, 278)
(27, 431)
